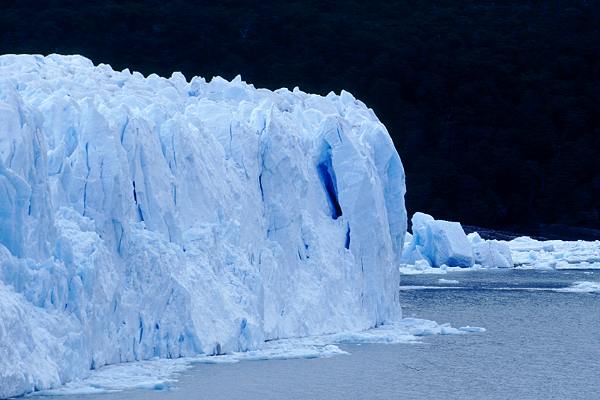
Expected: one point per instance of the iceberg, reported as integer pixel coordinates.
(490, 253)
(438, 242)
(146, 217)
(438, 245)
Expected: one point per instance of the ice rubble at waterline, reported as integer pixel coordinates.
(438, 246)
(161, 374)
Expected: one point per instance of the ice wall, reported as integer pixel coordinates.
(144, 217)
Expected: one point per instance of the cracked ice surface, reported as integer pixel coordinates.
(145, 217)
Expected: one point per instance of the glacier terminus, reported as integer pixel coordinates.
(145, 217)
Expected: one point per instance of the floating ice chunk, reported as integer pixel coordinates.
(448, 281)
(420, 267)
(415, 287)
(440, 242)
(473, 329)
(492, 254)
(420, 327)
(582, 287)
(451, 246)
(444, 244)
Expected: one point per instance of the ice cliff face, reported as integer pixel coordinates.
(144, 217)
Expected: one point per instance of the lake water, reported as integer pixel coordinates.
(541, 343)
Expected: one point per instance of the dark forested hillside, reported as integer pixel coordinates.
(493, 105)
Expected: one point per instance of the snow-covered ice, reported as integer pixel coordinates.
(145, 217)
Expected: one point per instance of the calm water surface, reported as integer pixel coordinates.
(539, 344)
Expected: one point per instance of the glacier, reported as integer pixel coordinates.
(145, 217)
